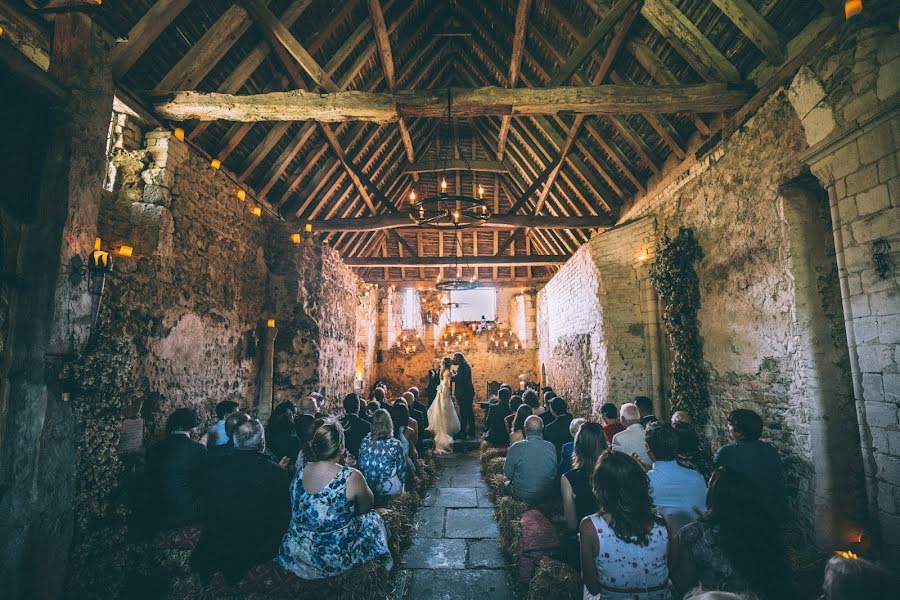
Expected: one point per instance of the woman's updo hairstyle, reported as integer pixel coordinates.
(326, 443)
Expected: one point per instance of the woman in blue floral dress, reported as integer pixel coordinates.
(333, 529)
(382, 458)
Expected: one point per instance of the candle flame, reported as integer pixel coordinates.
(847, 554)
(852, 8)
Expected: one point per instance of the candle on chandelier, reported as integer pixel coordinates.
(412, 196)
(480, 191)
(443, 184)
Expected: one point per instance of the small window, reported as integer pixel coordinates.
(473, 305)
(412, 313)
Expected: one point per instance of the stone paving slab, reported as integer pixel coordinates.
(454, 497)
(484, 499)
(427, 553)
(430, 523)
(484, 554)
(450, 584)
(470, 523)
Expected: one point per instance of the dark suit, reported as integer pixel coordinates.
(434, 379)
(174, 467)
(246, 509)
(557, 432)
(465, 395)
(497, 433)
(418, 406)
(355, 429)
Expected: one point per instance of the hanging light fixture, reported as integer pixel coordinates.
(459, 262)
(443, 210)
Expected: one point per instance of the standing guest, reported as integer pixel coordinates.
(434, 380)
(381, 457)
(286, 406)
(308, 406)
(517, 434)
(248, 484)
(281, 434)
(575, 484)
(546, 414)
(173, 471)
(234, 420)
(691, 453)
(754, 458)
(624, 545)
(333, 527)
(679, 494)
(355, 428)
(631, 440)
(609, 416)
(680, 416)
(530, 467)
(371, 407)
(514, 403)
(530, 398)
(497, 433)
(735, 546)
(568, 449)
(465, 395)
(857, 579)
(216, 435)
(557, 431)
(645, 406)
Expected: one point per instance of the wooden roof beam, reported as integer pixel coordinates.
(448, 261)
(498, 221)
(144, 33)
(755, 27)
(515, 62)
(486, 166)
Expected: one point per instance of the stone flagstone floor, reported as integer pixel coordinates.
(456, 553)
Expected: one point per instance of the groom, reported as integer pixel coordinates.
(465, 395)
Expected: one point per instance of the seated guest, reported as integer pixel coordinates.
(216, 435)
(287, 406)
(855, 579)
(247, 485)
(754, 458)
(567, 453)
(679, 494)
(333, 527)
(308, 406)
(530, 398)
(545, 413)
(557, 431)
(418, 420)
(514, 403)
(530, 467)
(355, 428)
(577, 495)
(691, 454)
(234, 420)
(631, 440)
(174, 465)
(305, 427)
(417, 407)
(645, 406)
(609, 417)
(381, 458)
(680, 416)
(404, 432)
(378, 396)
(371, 407)
(517, 434)
(624, 545)
(282, 438)
(735, 546)
(497, 434)
(364, 411)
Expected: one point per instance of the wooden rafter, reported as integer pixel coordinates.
(755, 27)
(498, 221)
(144, 33)
(449, 261)
(515, 61)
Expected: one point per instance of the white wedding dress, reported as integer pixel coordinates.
(443, 422)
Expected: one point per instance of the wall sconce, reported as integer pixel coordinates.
(100, 261)
(295, 237)
(881, 256)
(308, 228)
(241, 195)
(256, 211)
(216, 164)
(179, 134)
(124, 250)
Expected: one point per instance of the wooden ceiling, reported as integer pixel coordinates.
(553, 178)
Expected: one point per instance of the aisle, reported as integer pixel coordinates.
(455, 554)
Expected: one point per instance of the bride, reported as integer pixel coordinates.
(443, 422)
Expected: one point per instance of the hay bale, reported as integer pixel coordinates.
(507, 514)
(554, 579)
(490, 455)
(496, 484)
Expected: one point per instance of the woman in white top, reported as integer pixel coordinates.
(443, 422)
(625, 545)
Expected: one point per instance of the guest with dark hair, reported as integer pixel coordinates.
(530, 398)
(736, 546)
(434, 380)
(857, 579)
(216, 435)
(285, 407)
(281, 436)
(333, 528)
(304, 425)
(609, 417)
(257, 490)
(355, 428)
(567, 453)
(419, 412)
(575, 484)
(465, 395)
(497, 434)
(381, 457)
(754, 458)
(371, 407)
(530, 466)
(557, 432)
(645, 406)
(679, 494)
(405, 433)
(378, 396)
(517, 434)
(633, 564)
(691, 453)
(173, 470)
(514, 403)
(544, 413)
(234, 420)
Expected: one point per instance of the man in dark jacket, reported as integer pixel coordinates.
(465, 395)
(355, 428)
(174, 466)
(245, 508)
(557, 432)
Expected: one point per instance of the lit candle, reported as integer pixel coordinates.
(308, 228)
(216, 164)
(179, 133)
(270, 323)
(256, 211)
(295, 237)
(412, 196)
(480, 191)
(242, 195)
(443, 184)
(852, 8)
(125, 251)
